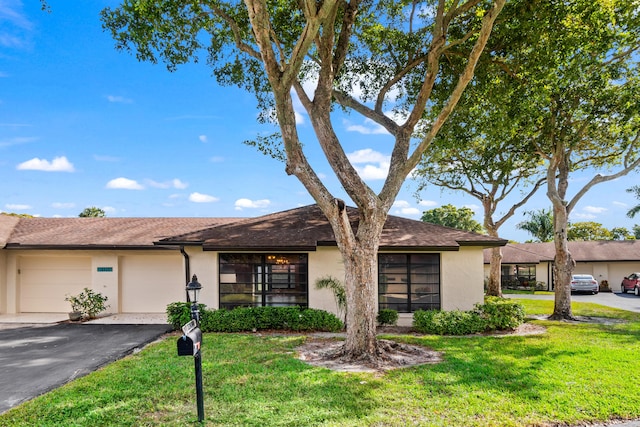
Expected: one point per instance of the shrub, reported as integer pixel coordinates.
(88, 303)
(244, 319)
(454, 322)
(495, 314)
(387, 316)
(501, 313)
(179, 313)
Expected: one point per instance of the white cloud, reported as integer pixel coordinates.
(109, 209)
(58, 164)
(473, 207)
(299, 117)
(59, 205)
(369, 127)
(370, 171)
(400, 204)
(202, 198)
(119, 99)
(216, 159)
(594, 209)
(428, 203)
(17, 207)
(583, 216)
(402, 207)
(174, 183)
(124, 184)
(621, 204)
(203, 138)
(367, 155)
(251, 204)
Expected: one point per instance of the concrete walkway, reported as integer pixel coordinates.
(9, 321)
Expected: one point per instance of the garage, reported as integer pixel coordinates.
(46, 281)
(150, 282)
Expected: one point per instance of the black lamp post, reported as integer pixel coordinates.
(193, 292)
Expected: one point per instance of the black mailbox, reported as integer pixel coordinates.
(189, 343)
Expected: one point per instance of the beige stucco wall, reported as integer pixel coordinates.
(326, 261)
(461, 278)
(147, 280)
(3, 281)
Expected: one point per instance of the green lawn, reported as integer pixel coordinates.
(575, 373)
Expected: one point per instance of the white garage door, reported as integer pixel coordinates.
(150, 282)
(46, 281)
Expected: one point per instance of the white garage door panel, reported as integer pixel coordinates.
(151, 282)
(46, 281)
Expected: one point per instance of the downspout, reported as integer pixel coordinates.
(187, 268)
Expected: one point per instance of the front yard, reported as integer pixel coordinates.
(574, 373)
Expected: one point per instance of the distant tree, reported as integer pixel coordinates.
(636, 231)
(588, 230)
(450, 216)
(636, 192)
(621, 233)
(16, 214)
(93, 212)
(539, 225)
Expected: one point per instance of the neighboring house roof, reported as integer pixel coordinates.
(306, 228)
(100, 233)
(581, 251)
(7, 224)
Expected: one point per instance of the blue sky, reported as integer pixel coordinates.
(84, 125)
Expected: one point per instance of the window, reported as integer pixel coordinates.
(253, 280)
(518, 275)
(409, 282)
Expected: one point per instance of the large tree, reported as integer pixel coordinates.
(581, 76)
(539, 225)
(450, 216)
(390, 50)
(483, 149)
(572, 67)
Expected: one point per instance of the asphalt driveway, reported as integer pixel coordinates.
(37, 359)
(627, 302)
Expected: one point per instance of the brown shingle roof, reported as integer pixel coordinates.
(306, 227)
(103, 232)
(589, 251)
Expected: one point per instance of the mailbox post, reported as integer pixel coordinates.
(190, 343)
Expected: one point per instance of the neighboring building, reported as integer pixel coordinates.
(143, 264)
(609, 260)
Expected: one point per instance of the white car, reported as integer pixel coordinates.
(584, 283)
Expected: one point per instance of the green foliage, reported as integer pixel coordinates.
(495, 314)
(539, 225)
(88, 303)
(634, 210)
(450, 216)
(179, 313)
(245, 319)
(338, 290)
(387, 316)
(92, 212)
(501, 313)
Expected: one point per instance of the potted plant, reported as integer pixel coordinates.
(86, 305)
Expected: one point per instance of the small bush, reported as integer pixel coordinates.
(501, 313)
(387, 316)
(243, 319)
(454, 322)
(495, 314)
(88, 302)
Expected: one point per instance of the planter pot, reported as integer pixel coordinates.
(75, 316)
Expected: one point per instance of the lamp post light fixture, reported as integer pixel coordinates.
(193, 292)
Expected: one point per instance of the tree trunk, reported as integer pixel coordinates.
(563, 264)
(494, 287)
(360, 281)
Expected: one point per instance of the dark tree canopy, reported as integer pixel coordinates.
(450, 216)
